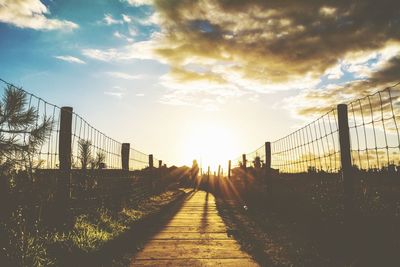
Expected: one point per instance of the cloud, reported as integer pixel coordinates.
(261, 46)
(206, 93)
(139, 2)
(273, 42)
(335, 72)
(316, 101)
(126, 18)
(123, 36)
(103, 55)
(116, 91)
(71, 59)
(109, 20)
(125, 76)
(153, 19)
(114, 94)
(31, 14)
(137, 50)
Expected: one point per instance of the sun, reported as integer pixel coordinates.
(210, 145)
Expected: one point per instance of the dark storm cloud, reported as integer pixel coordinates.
(274, 41)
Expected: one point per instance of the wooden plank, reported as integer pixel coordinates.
(194, 252)
(189, 235)
(195, 262)
(185, 228)
(195, 236)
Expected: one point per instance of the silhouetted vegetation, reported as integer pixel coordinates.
(298, 219)
(102, 203)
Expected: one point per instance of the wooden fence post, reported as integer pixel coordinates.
(219, 170)
(160, 164)
(125, 150)
(65, 139)
(151, 164)
(65, 159)
(229, 169)
(345, 158)
(268, 155)
(244, 161)
(347, 176)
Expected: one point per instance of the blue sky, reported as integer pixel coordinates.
(29, 60)
(155, 74)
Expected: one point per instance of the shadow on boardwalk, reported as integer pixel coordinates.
(195, 236)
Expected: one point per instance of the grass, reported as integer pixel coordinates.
(90, 232)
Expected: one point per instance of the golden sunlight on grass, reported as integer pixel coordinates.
(210, 145)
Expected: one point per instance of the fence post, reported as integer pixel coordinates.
(229, 169)
(160, 164)
(219, 170)
(151, 165)
(125, 149)
(244, 161)
(345, 157)
(268, 155)
(65, 159)
(348, 180)
(65, 137)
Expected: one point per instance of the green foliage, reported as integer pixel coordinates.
(22, 130)
(25, 247)
(85, 153)
(98, 162)
(93, 230)
(86, 158)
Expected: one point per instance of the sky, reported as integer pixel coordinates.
(204, 79)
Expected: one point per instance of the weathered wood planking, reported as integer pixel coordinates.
(195, 236)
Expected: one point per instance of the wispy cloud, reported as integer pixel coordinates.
(139, 2)
(114, 94)
(373, 71)
(109, 20)
(31, 14)
(125, 76)
(137, 50)
(116, 91)
(71, 59)
(123, 36)
(126, 18)
(103, 55)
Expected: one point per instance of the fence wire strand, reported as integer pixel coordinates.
(309, 149)
(102, 151)
(46, 154)
(374, 132)
(374, 135)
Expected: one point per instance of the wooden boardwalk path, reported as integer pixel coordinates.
(195, 236)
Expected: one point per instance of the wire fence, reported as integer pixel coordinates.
(374, 130)
(259, 154)
(90, 147)
(374, 123)
(315, 147)
(236, 162)
(138, 160)
(33, 112)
